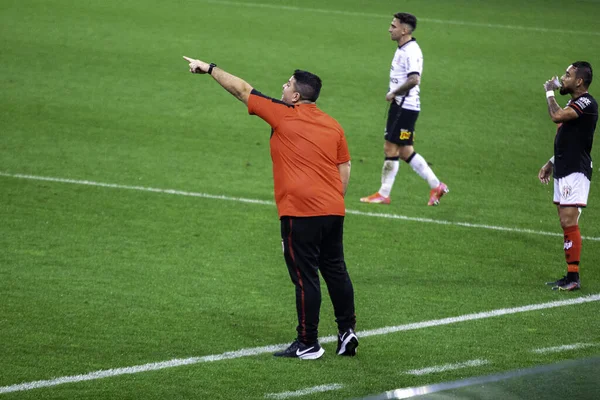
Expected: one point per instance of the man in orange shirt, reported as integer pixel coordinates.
(311, 169)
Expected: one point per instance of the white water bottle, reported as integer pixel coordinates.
(556, 82)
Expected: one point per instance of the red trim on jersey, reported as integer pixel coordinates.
(575, 105)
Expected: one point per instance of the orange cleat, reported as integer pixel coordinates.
(436, 194)
(376, 199)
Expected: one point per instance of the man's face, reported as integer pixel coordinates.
(397, 30)
(568, 81)
(288, 93)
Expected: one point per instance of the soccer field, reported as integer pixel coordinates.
(140, 253)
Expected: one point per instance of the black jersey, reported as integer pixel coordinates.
(573, 141)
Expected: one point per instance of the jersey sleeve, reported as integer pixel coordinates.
(582, 105)
(267, 108)
(343, 155)
(414, 62)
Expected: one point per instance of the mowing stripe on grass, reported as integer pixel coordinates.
(304, 392)
(269, 349)
(565, 347)
(383, 16)
(270, 203)
(447, 367)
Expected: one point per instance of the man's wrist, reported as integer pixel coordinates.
(551, 160)
(549, 93)
(210, 68)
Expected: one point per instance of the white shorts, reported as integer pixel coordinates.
(572, 190)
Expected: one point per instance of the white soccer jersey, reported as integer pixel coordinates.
(408, 60)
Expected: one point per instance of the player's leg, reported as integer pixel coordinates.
(570, 195)
(569, 216)
(391, 164)
(419, 165)
(415, 160)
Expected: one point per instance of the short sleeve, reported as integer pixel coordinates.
(267, 108)
(581, 105)
(414, 62)
(343, 155)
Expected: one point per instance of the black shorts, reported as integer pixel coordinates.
(400, 128)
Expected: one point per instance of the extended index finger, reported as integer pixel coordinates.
(188, 59)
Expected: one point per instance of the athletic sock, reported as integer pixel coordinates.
(572, 247)
(420, 166)
(388, 175)
(572, 276)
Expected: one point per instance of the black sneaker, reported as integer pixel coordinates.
(303, 351)
(347, 343)
(560, 282)
(569, 286)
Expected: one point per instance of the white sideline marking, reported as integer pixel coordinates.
(557, 349)
(270, 203)
(140, 188)
(372, 15)
(481, 315)
(304, 392)
(447, 367)
(465, 224)
(269, 349)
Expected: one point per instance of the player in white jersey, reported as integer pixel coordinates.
(403, 94)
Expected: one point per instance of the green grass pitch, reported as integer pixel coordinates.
(98, 277)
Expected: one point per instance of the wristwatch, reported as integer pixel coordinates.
(210, 68)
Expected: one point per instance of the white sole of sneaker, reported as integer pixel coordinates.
(349, 345)
(312, 356)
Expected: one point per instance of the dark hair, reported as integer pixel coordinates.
(408, 19)
(308, 85)
(583, 71)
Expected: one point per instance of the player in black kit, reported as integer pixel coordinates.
(571, 165)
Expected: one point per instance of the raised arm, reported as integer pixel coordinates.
(238, 87)
(557, 113)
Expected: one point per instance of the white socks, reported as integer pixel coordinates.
(388, 175)
(418, 163)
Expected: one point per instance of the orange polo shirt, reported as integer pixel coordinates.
(306, 147)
